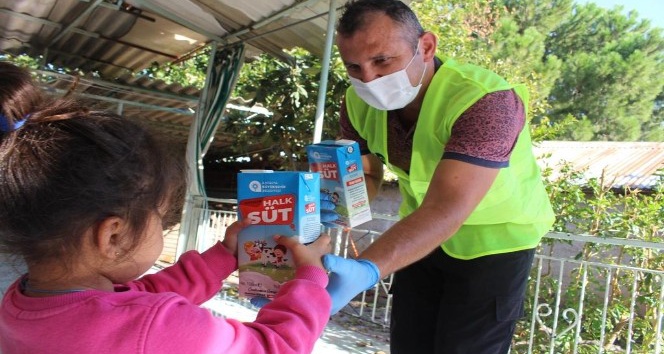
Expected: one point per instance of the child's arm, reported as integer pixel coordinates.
(291, 323)
(196, 276)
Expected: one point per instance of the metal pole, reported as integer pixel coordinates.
(193, 199)
(324, 72)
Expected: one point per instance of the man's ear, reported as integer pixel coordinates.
(110, 237)
(429, 46)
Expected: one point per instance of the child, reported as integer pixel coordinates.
(84, 197)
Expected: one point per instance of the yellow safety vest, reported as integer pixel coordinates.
(515, 213)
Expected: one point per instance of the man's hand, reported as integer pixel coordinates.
(348, 277)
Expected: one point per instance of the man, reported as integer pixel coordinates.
(474, 207)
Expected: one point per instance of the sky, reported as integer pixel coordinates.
(649, 9)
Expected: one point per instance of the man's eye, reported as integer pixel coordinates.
(382, 61)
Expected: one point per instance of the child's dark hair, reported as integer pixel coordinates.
(64, 169)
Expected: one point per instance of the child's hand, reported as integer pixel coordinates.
(310, 255)
(230, 238)
(306, 255)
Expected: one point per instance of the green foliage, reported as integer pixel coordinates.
(654, 128)
(499, 35)
(22, 60)
(188, 72)
(463, 28)
(542, 16)
(610, 75)
(593, 208)
(37, 63)
(290, 91)
(520, 47)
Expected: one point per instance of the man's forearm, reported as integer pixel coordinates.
(373, 174)
(412, 238)
(373, 184)
(451, 198)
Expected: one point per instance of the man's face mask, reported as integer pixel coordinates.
(389, 92)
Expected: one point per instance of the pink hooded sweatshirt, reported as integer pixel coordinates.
(160, 313)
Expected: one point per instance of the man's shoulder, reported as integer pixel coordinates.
(469, 76)
(469, 71)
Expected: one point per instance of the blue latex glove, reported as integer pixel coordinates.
(327, 211)
(259, 301)
(348, 277)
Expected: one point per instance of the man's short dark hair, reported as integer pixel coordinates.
(353, 18)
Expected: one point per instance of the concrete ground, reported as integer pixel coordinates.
(343, 334)
(338, 337)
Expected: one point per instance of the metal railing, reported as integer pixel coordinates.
(586, 294)
(593, 294)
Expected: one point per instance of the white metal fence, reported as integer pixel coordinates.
(586, 294)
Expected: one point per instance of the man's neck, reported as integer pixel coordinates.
(408, 115)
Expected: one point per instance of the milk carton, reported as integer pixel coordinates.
(340, 166)
(276, 202)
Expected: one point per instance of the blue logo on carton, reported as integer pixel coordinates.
(255, 186)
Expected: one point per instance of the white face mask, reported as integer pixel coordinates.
(389, 92)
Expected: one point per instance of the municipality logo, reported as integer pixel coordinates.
(255, 186)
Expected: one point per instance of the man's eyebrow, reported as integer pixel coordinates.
(375, 57)
(381, 56)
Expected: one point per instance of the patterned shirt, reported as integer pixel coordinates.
(483, 135)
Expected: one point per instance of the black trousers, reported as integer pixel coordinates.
(445, 305)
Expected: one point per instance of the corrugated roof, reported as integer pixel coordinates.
(623, 164)
(168, 110)
(115, 39)
(113, 36)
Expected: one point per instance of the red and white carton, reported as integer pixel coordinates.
(276, 202)
(340, 166)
